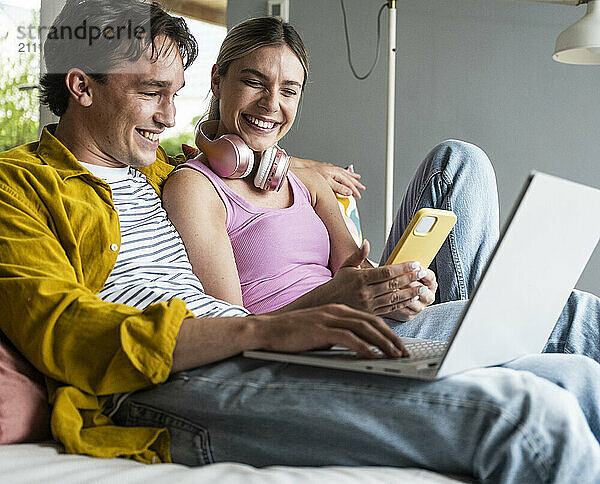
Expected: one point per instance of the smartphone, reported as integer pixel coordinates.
(423, 237)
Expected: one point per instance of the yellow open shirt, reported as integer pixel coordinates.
(59, 239)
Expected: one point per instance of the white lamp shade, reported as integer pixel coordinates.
(580, 43)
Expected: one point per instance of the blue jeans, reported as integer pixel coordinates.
(533, 420)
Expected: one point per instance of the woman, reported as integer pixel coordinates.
(290, 247)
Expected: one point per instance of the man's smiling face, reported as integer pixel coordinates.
(127, 114)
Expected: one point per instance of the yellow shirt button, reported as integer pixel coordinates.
(114, 247)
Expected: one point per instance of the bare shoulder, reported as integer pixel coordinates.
(188, 182)
(189, 190)
(314, 182)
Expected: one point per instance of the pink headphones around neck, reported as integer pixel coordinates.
(230, 157)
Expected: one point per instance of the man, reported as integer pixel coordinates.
(97, 293)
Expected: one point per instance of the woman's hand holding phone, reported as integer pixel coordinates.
(401, 290)
(404, 286)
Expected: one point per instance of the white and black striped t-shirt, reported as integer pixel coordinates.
(152, 264)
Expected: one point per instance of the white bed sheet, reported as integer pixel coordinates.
(31, 463)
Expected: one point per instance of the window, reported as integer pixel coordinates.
(19, 72)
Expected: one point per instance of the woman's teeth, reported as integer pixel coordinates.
(260, 123)
(147, 134)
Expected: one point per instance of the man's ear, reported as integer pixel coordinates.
(215, 81)
(78, 84)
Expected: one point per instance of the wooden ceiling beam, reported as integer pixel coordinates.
(214, 12)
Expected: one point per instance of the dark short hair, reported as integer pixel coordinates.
(95, 35)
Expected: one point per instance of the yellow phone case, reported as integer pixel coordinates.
(423, 237)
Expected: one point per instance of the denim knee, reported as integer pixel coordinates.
(577, 370)
(577, 374)
(539, 431)
(577, 330)
(459, 157)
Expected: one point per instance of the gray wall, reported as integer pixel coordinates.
(477, 70)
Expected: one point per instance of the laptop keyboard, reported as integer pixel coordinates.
(418, 349)
(422, 350)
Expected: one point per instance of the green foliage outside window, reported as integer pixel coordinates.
(172, 144)
(19, 112)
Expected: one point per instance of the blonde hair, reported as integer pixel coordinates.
(253, 34)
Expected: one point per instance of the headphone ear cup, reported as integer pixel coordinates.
(264, 168)
(272, 169)
(228, 156)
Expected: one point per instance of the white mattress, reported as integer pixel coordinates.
(30, 463)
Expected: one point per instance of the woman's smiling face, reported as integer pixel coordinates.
(259, 95)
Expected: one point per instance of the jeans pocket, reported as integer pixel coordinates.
(190, 443)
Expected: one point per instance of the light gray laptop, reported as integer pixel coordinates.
(546, 243)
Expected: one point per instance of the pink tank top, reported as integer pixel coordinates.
(280, 254)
